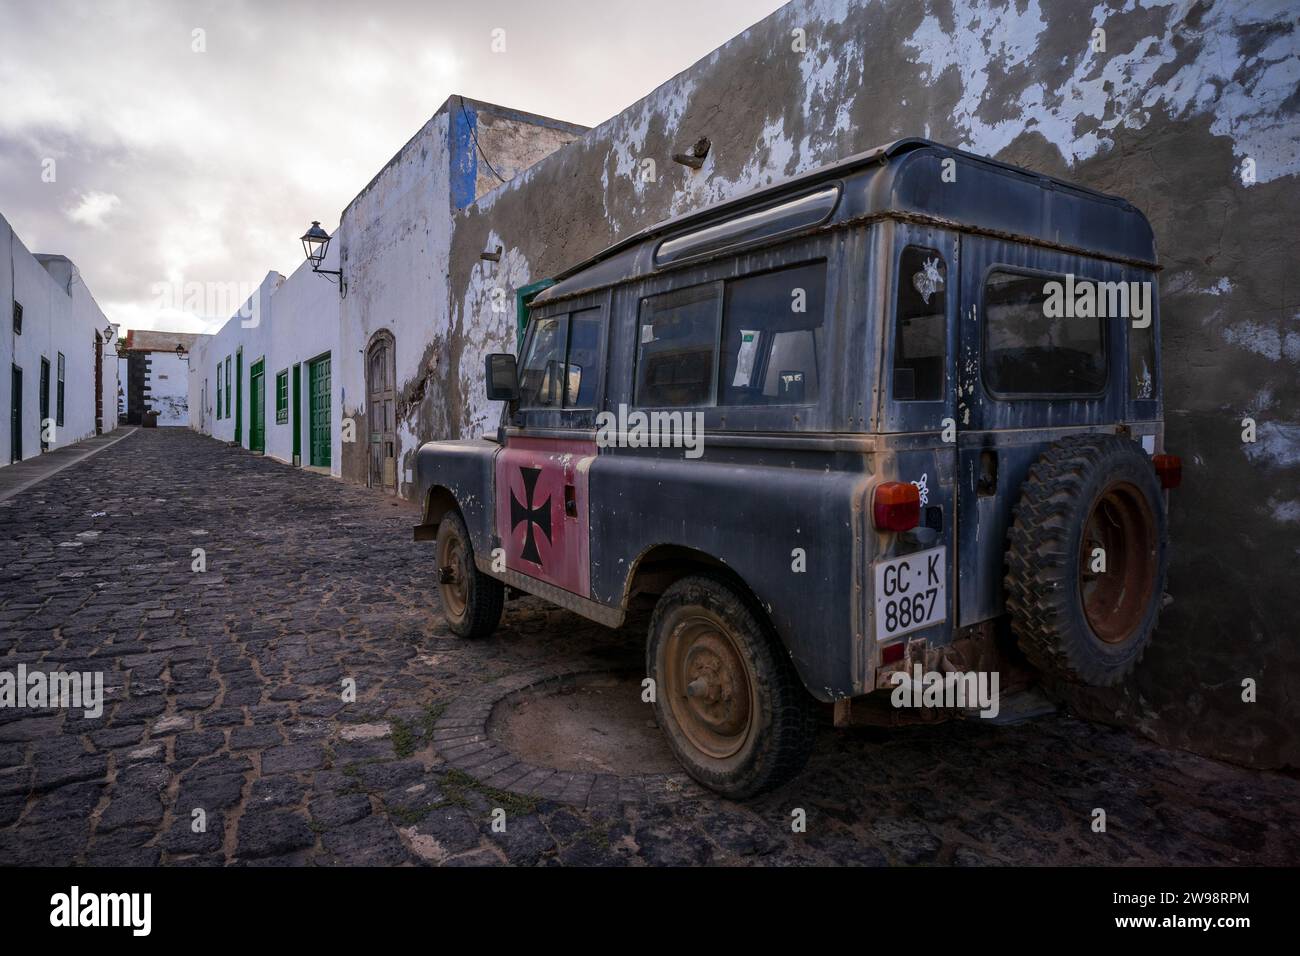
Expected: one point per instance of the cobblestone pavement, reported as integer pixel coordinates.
(226, 697)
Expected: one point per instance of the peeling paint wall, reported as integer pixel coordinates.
(1190, 112)
(395, 238)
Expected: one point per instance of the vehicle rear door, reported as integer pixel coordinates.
(919, 402)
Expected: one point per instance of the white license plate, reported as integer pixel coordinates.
(910, 592)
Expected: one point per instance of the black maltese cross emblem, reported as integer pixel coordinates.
(536, 515)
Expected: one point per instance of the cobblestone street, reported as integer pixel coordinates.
(225, 695)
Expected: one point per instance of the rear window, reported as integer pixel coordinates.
(920, 326)
(1028, 352)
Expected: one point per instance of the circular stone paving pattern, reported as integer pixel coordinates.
(578, 737)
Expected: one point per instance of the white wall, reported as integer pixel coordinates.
(59, 316)
(289, 322)
(168, 382)
(395, 239)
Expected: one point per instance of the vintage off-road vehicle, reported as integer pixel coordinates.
(929, 385)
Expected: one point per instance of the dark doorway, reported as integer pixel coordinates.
(239, 396)
(381, 398)
(15, 414)
(297, 414)
(99, 384)
(45, 403)
(257, 407)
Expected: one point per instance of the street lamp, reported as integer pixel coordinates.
(180, 351)
(108, 333)
(315, 243)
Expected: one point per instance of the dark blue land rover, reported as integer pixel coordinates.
(901, 410)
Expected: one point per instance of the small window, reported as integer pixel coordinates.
(771, 337)
(1141, 362)
(282, 397)
(18, 318)
(1029, 352)
(677, 335)
(58, 403)
(541, 384)
(921, 326)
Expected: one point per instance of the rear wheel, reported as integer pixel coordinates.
(727, 697)
(1087, 559)
(471, 600)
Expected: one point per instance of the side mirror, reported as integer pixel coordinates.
(502, 378)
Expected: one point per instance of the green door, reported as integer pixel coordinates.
(318, 391)
(257, 406)
(239, 397)
(297, 414)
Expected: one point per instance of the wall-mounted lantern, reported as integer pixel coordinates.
(180, 351)
(315, 243)
(109, 332)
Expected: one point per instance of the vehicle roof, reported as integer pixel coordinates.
(904, 180)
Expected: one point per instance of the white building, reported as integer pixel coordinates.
(154, 370)
(56, 351)
(334, 382)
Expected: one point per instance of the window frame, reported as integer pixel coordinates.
(849, 284)
(559, 417)
(228, 359)
(282, 407)
(220, 392)
(985, 324)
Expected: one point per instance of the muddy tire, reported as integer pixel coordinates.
(727, 697)
(1072, 618)
(471, 600)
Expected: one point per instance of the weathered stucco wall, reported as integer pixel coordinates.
(1190, 112)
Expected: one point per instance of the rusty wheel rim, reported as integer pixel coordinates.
(708, 686)
(453, 576)
(1115, 600)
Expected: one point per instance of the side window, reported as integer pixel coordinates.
(675, 356)
(771, 337)
(584, 359)
(1030, 350)
(1141, 362)
(920, 326)
(541, 384)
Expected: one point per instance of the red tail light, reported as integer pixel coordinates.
(892, 653)
(1170, 470)
(897, 506)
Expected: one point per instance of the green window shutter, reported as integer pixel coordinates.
(523, 297)
(282, 397)
(218, 391)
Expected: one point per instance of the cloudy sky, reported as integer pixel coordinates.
(183, 157)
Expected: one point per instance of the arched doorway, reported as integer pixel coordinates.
(381, 401)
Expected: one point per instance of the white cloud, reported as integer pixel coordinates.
(93, 207)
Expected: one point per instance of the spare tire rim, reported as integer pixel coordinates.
(454, 580)
(1115, 600)
(708, 685)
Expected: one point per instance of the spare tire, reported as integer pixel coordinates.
(1075, 617)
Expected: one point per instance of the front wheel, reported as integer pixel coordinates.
(471, 600)
(728, 698)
